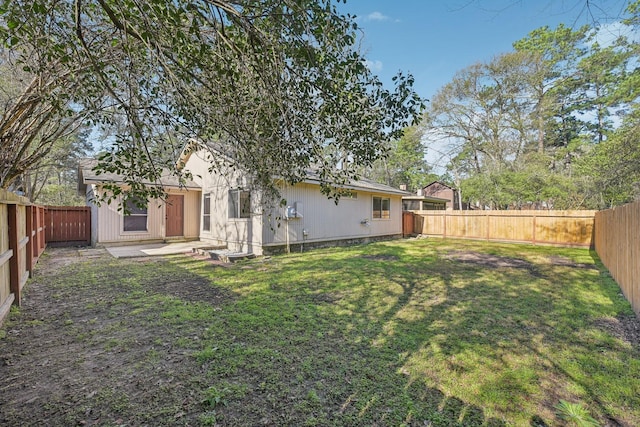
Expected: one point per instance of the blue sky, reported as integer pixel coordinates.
(432, 39)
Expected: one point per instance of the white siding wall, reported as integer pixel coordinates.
(240, 234)
(321, 217)
(110, 222)
(324, 220)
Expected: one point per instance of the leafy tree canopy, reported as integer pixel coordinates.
(405, 163)
(552, 124)
(277, 85)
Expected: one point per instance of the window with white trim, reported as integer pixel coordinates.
(381, 208)
(239, 203)
(206, 212)
(135, 217)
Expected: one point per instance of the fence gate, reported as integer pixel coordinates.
(407, 223)
(68, 226)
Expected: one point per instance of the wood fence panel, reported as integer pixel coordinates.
(514, 226)
(617, 242)
(29, 216)
(5, 256)
(468, 225)
(14, 240)
(568, 228)
(434, 223)
(21, 243)
(18, 239)
(572, 228)
(71, 225)
(23, 234)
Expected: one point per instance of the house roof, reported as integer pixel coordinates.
(87, 175)
(369, 185)
(362, 184)
(313, 176)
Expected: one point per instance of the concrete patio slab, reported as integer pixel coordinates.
(155, 249)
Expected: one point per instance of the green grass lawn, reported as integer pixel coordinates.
(416, 333)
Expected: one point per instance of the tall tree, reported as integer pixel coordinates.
(611, 170)
(598, 78)
(53, 181)
(553, 53)
(277, 85)
(34, 114)
(537, 126)
(405, 163)
(483, 112)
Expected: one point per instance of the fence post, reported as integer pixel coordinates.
(36, 227)
(42, 228)
(30, 234)
(14, 264)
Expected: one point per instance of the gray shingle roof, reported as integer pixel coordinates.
(360, 184)
(87, 175)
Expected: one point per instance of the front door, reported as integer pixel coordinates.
(175, 215)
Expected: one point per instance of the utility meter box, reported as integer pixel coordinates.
(294, 211)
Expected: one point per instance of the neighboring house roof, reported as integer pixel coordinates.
(439, 183)
(86, 175)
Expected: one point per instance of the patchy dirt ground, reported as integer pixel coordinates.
(495, 261)
(76, 356)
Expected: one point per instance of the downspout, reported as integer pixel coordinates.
(288, 247)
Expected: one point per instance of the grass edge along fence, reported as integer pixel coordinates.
(617, 243)
(22, 241)
(571, 228)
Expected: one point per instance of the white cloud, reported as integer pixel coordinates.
(375, 66)
(376, 16)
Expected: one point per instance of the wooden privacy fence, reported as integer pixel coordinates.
(67, 225)
(22, 241)
(617, 242)
(563, 228)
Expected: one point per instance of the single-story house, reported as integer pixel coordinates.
(222, 209)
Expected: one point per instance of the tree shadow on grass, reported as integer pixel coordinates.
(345, 289)
(485, 315)
(376, 335)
